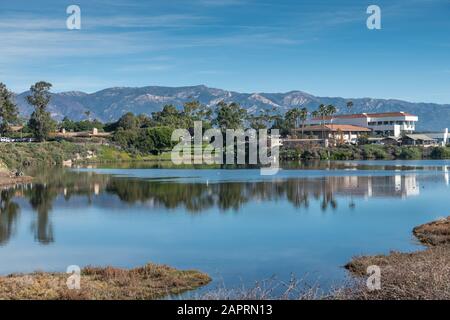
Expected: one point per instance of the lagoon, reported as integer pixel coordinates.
(236, 225)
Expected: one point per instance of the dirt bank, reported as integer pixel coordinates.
(8, 178)
(419, 275)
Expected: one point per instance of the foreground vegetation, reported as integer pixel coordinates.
(364, 152)
(17, 156)
(423, 275)
(418, 275)
(148, 282)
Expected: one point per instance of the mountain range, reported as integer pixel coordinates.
(109, 104)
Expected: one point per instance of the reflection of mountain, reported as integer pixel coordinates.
(71, 189)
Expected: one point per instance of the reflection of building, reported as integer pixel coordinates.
(385, 186)
(441, 137)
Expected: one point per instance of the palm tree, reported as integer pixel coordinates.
(349, 106)
(330, 110)
(303, 115)
(291, 117)
(321, 112)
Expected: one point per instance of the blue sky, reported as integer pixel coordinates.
(321, 47)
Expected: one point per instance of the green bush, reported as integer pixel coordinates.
(374, 152)
(411, 153)
(144, 140)
(440, 153)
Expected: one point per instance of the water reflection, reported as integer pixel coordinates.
(9, 212)
(195, 198)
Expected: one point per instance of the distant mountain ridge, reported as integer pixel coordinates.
(109, 104)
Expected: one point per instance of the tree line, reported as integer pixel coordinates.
(144, 132)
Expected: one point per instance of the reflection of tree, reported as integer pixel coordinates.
(193, 197)
(9, 212)
(41, 199)
(196, 197)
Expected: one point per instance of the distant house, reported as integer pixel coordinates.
(340, 133)
(94, 133)
(422, 140)
(391, 140)
(441, 137)
(386, 124)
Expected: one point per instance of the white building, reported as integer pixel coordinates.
(442, 137)
(387, 124)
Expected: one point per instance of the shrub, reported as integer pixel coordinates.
(410, 153)
(440, 153)
(374, 152)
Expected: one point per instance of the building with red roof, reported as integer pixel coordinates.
(387, 123)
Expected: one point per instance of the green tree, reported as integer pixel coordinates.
(321, 113)
(330, 110)
(229, 116)
(195, 111)
(128, 122)
(170, 116)
(8, 109)
(161, 138)
(261, 120)
(40, 123)
(303, 116)
(67, 124)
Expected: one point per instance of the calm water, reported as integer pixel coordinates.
(236, 225)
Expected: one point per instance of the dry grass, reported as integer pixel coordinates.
(270, 289)
(418, 275)
(148, 282)
(434, 233)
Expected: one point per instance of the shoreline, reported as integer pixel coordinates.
(423, 274)
(148, 282)
(8, 179)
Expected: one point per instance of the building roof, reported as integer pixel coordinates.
(368, 115)
(422, 137)
(335, 128)
(392, 138)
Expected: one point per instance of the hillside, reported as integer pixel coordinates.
(109, 104)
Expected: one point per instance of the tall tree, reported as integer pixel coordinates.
(229, 116)
(261, 120)
(195, 111)
(303, 116)
(321, 113)
(330, 110)
(8, 109)
(128, 122)
(170, 116)
(40, 121)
